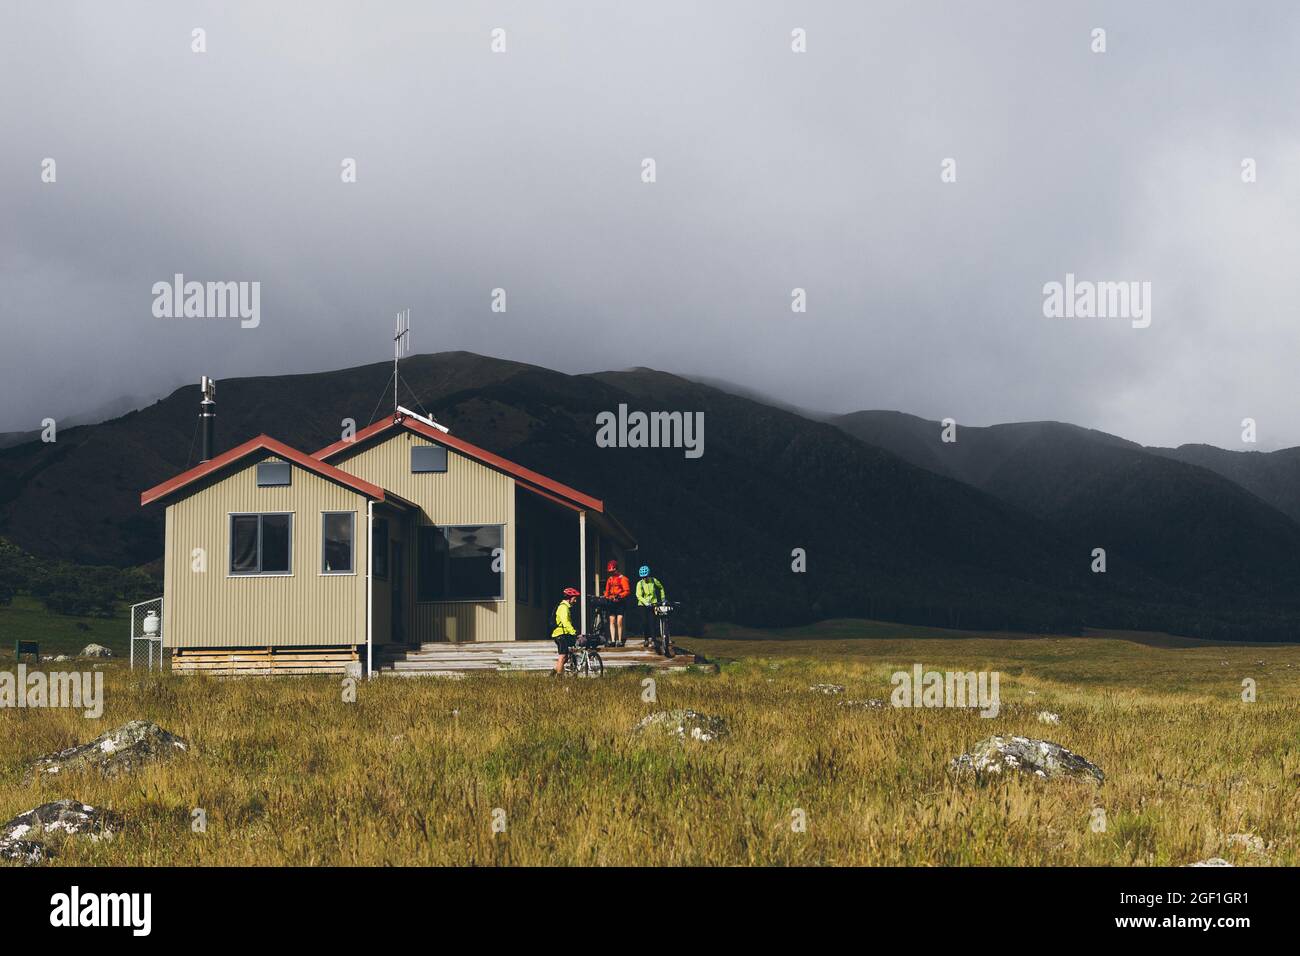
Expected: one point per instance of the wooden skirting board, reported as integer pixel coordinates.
(263, 661)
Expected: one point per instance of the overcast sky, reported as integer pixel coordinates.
(775, 170)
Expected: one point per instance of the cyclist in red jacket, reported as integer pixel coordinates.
(617, 588)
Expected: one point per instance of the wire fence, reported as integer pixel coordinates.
(146, 631)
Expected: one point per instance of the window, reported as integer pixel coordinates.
(272, 473)
(379, 548)
(259, 544)
(460, 563)
(427, 458)
(337, 534)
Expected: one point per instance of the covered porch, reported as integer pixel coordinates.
(439, 659)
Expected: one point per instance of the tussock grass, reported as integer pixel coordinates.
(412, 772)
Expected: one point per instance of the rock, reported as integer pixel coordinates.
(62, 657)
(871, 702)
(1047, 717)
(1212, 861)
(118, 751)
(684, 724)
(827, 688)
(69, 817)
(1042, 758)
(706, 669)
(96, 650)
(26, 852)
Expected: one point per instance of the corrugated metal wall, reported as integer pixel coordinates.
(466, 493)
(215, 609)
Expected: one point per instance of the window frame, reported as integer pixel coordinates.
(230, 544)
(352, 541)
(501, 575)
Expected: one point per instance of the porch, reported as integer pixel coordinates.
(442, 659)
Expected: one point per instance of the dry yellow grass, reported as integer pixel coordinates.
(411, 773)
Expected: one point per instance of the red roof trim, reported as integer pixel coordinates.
(550, 497)
(472, 451)
(261, 443)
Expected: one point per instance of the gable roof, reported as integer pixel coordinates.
(538, 482)
(261, 443)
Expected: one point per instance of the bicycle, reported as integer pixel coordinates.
(600, 615)
(664, 639)
(583, 658)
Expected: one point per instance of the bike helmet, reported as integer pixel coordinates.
(572, 592)
(644, 571)
(611, 567)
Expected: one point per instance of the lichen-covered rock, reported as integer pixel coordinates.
(1212, 861)
(26, 852)
(118, 751)
(871, 703)
(827, 688)
(1047, 717)
(685, 724)
(96, 650)
(1042, 758)
(62, 816)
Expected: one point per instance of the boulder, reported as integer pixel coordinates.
(96, 650)
(873, 703)
(26, 852)
(827, 688)
(1041, 758)
(684, 724)
(1212, 861)
(62, 816)
(1047, 717)
(118, 751)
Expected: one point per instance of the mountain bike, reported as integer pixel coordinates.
(664, 639)
(583, 659)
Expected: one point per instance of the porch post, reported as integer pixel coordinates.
(582, 567)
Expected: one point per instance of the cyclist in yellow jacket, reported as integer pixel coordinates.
(649, 592)
(564, 632)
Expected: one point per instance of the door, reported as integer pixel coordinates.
(397, 572)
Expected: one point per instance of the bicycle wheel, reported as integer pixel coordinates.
(595, 666)
(570, 664)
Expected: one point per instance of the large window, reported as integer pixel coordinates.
(259, 544)
(461, 563)
(337, 532)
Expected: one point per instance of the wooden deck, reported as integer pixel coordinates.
(446, 659)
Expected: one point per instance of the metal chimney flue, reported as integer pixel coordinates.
(208, 417)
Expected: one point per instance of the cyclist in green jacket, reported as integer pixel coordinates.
(649, 592)
(564, 632)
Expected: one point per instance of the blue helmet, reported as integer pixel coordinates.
(644, 571)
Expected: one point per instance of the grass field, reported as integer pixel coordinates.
(415, 770)
(26, 619)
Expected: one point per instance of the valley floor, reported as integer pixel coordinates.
(426, 771)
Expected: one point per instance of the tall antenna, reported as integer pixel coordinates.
(401, 346)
